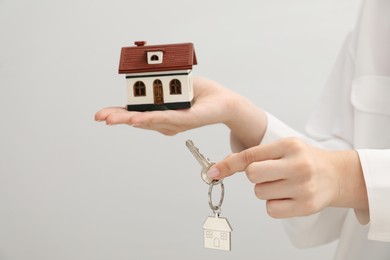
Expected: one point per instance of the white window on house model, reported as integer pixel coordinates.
(139, 89)
(175, 87)
(209, 234)
(155, 57)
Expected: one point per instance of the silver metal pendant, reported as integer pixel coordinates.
(217, 233)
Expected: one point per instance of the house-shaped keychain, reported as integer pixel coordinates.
(216, 232)
(158, 76)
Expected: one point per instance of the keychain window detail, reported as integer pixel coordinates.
(175, 87)
(139, 89)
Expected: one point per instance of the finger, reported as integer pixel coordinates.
(163, 129)
(267, 171)
(121, 117)
(172, 120)
(274, 190)
(238, 162)
(102, 114)
(282, 208)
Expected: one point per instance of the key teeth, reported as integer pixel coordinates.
(189, 143)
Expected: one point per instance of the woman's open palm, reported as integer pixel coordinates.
(211, 105)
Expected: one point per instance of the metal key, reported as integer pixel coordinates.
(203, 161)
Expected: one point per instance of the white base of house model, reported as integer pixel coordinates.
(159, 90)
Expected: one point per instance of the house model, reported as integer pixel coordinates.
(216, 232)
(158, 76)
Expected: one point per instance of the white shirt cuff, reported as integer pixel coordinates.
(376, 171)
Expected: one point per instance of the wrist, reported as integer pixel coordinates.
(246, 121)
(352, 188)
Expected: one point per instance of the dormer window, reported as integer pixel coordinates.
(155, 57)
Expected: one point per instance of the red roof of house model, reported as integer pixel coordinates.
(180, 56)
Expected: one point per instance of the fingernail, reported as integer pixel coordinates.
(213, 173)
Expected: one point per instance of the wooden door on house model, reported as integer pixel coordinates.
(158, 92)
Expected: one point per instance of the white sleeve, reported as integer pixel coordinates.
(324, 226)
(376, 170)
(277, 129)
(327, 129)
(303, 231)
(340, 123)
(353, 113)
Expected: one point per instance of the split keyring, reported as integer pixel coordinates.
(216, 209)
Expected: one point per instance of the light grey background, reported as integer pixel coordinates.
(71, 188)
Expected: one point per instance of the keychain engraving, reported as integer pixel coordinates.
(216, 229)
